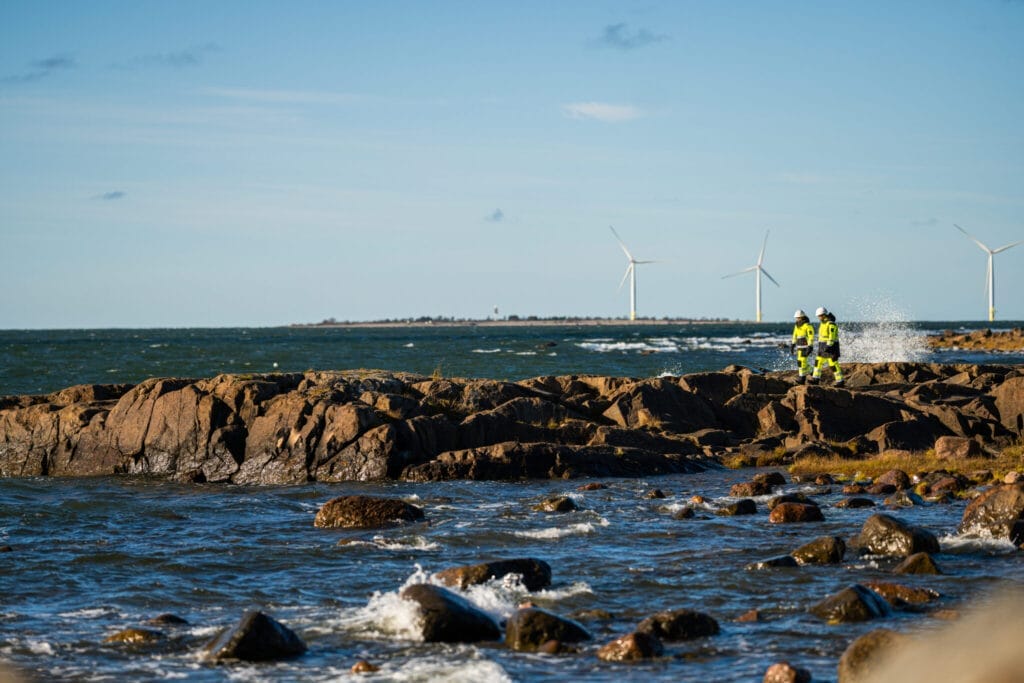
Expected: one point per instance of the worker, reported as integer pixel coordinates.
(803, 344)
(828, 346)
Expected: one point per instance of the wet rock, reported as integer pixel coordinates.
(684, 513)
(904, 499)
(897, 594)
(448, 618)
(528, 629)
(256, 637)
(556, 504)
(784, 672)
(998, 512)
(679, 624)
(365, 512)
(957, 448)
(854, 489)
(134, 636)
(536, 574)
(824, 480)
(631, 647)
(771, 478)
(861, 658)
(592, 615)
(794, 513)
(823, 550)
(750, 489)
(790, 498)
(750, 616)
(918, 563)
(167, 620)
(781, 562)
(881, 489)
(852, 604)
(592, 486)
(896, 478)
(854, 503)
(6, 549)
(654, 494)
(886, 535)
(741, 507)
(364, 667)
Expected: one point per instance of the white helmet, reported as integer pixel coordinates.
(799, 314)
(821, 311)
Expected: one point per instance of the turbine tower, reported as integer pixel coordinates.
(990, 277)
(630, 273)
(759, 268)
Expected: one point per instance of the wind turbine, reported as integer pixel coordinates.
(758, 267)
(990, 277)
(630, 273)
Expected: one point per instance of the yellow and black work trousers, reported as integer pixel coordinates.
(819, 363)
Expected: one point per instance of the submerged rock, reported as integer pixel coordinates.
(823, 550)
(256, 637)
(855, 603)
(784, 672)
(528, 629)
(134, 636)
(918, 563)
(556, 504)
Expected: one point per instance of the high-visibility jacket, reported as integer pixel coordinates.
(803, 335)
(828, 332)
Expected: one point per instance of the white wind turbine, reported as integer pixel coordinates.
(990, 277)
(759, 268)
(630, 273)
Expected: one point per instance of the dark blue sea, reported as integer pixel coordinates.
(89, 557)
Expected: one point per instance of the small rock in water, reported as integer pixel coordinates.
(134, 636)
(897, 594)
(167, 620)
(365, 511)
(6, 549)
(750, 489)
(592, 486)
(784, 672)
(556, 504)
(536, 574)
(679, 624)
(853, 503)
(782, 562)
(852, 604)
(684, 513)
(862, 656)
(364, 667)
(449, 618)
(918, 563)
(745, 506)
(528, 629)
(749, 616)
(631, 647)
(795, 513)
(824, 550)
(886, 535)
(654, 494)
(256, 637)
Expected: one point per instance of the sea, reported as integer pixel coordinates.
(86, 558)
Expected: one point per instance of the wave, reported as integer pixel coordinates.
(554, 533)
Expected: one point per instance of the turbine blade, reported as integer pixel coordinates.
(621, 243)
(740, 272)
(1008, 246)
(973, 239)
(629, 269)
(760, 258)
(769, 277)
(655, 261)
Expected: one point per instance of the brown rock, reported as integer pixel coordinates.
(448, 618)
(886, 535)
(749, 616)
(365, 511)
(861, 658)
(679, 624)
(256, 637)
(854, 503)
(790, 513)
(750, 489)
(536, 574)
(896, 478)
(957, 448)
(528, 629)
(784, 672)
(998, 512)
(897, 594)
(592, 486)
(631, 647)
(918, 563)
(852, 604)
(134, 636)
(824, 550)
(744, 506)
(364, 667)
(556, 504)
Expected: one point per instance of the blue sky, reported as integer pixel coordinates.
(262, 163)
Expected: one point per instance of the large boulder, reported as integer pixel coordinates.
(855, 603)
(1009, 401)
(886, 535)
(256, 637)
(365, 511)
(679, 624)
(998, 512)
(660, 404)
(536, 574)
(447, 618)
(529, 628)
(957, 448)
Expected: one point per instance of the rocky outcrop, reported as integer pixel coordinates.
(979, 340)
(631, 647)
(369, 425)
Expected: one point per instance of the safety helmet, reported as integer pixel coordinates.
(821, 311)
(799, 314)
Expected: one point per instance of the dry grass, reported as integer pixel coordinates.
(1010, 459)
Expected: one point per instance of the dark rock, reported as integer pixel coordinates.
(854, 489)
(750, 489)
(859, 661)
(365, 511)
(556, 504)
(1009, 402)
(536, 574)
(784, 672)
(781, 562)
(790, 498)
(878, 489)
(771, 478)
(904, 499)
(684, 513)
(134, 636)
(256, 637)
(654, 494)
(852, 604)
(918, 563)
(886, 535)
(527, 629)
(592, 486)
(631, 647)
(824, 480)
(741, 507)
(448, 618)
(167, 620)
(897, 594)
(854, 503)
(824, 550)
(998, 512)
(897, 478)
(679, 624)
(791, 513)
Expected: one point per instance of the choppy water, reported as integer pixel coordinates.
(93, 556)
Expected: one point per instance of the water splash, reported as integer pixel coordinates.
(885, 333)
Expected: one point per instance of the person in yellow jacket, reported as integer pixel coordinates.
(803, 343)
(828, 346)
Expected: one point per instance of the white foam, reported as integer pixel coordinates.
(486, 351)
(976, 540)
(526, 353)
(553, 533)
(606, 347)
(450, 670)
(90, 613)
(413, 543)
(886, 338)
(556, 594)
(410, 345)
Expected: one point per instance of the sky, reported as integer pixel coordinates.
(173, 164)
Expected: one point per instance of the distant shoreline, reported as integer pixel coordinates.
(522, 322)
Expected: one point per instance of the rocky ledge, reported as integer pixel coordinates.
(371, 425)
(979, 340)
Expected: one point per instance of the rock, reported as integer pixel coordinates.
(1013, 478)
(998, 512)
(896, 478)
(679, 624)
(881, 489)
(134, 636)
(784, 672)
(364, 667)
(660, 404)
(167, 620)
(741, 507)
(957, 448)
(861, 658)
(631, 647)
(781, 562)
(1009, 402)
(771, 478)
(854, 489)
(592, 486)
(448, 618)
(654, 494)
(536, 574)
(823, 550)
(904, 499)
(365, 512)
(918, 563)
(824, 480)
(886, 535)
(855, 603)
(790, 513)
(854, 503)
(685, 512)
(897, 594)
(750, 489)
(256, 637)
(790, 498)
(556, 504)
(750, 616)
(528, 629)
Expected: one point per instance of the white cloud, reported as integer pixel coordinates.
(600, 111)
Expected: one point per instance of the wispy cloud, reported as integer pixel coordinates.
(600, 111)
(284, 96)
(42, 68)
(111, 196)
(621, 37)
(496, 217)
(192, 56)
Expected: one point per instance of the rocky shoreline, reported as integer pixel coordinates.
(979, 340)
(373, 425)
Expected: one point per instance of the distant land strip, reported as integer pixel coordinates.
(513, 321)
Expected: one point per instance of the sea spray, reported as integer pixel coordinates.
(884, 334)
